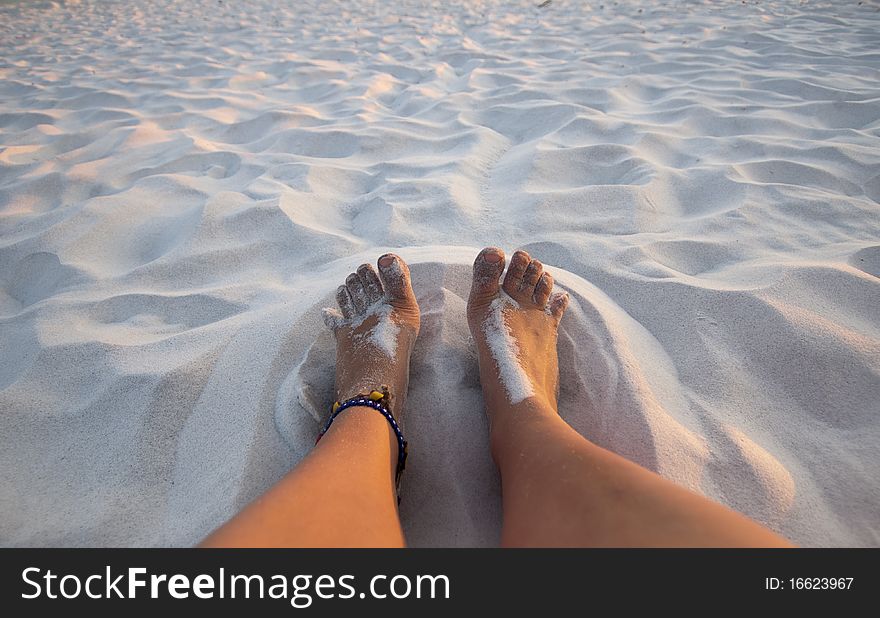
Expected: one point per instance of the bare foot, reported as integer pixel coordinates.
(515, 325)
(375, 327)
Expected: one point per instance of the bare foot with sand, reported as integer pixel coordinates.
(376, 326)
(558, 488)
(515, 325)
(353, 469)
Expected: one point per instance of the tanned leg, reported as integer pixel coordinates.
(558, 488)
(342, 494)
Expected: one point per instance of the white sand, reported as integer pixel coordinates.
(184, 184)
(382, 332)
(505, 350)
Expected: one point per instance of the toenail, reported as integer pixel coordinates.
(492, 258)
(386, 260)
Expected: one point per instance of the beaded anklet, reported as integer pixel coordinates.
(379, 401)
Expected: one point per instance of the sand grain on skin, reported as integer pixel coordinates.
(505, 350)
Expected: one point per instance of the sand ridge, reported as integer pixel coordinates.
(184, 184)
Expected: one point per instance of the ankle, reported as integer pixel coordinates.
(510, 423)
(363, 429)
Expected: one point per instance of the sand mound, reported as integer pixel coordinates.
(452, 492)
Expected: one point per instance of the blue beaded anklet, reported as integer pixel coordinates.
(375, 400)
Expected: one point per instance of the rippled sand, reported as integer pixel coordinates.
(183, 184)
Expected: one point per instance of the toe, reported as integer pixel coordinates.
(530, 278)
(343, 299)
(357, 292)
(371, 283)
(396, 280)
(513, 279)
(488, 267)
(543, 289)
(558, 303)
